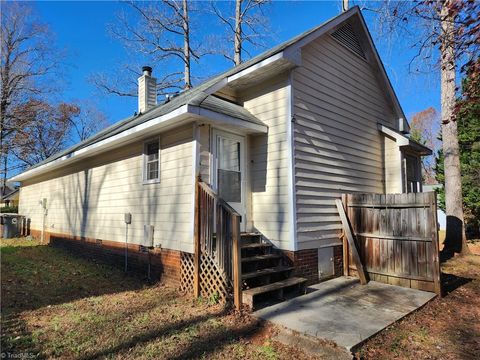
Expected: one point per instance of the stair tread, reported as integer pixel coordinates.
(250, 234)
(261, 257)
(266, 271)
(255, 245)
(274, 286)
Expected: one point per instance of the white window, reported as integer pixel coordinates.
(151, 162)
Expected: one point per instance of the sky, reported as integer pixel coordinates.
(80, 27)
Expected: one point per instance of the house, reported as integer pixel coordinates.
(9, 195)
(278, 138)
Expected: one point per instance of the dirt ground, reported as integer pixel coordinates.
(445, 328)
(55, 305)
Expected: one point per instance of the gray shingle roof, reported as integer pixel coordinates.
(214, 103)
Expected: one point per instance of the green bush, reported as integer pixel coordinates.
(9, 209)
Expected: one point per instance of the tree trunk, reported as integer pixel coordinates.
(237, 57)
(186, 45)
(455, 240)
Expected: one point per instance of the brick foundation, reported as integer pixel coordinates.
(306, 263)
(338, 260)
(165, 264)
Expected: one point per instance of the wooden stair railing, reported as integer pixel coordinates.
(221, 244)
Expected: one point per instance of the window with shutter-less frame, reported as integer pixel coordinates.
(151, 162)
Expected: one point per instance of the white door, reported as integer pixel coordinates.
(229, 170)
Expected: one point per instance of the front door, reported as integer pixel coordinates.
(229, 170)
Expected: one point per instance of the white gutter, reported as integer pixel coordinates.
(255, 67)
(128, 134)
(226, 119)
(401, 139)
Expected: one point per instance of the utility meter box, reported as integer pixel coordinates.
(148, 236)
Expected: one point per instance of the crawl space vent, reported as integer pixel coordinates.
(346, 36)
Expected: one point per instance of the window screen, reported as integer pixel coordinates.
(152, 161)
(229, 174)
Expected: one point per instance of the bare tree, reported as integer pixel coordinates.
(161, 31)
(247, 23)
(453, 29)
(27, 60)
(45, 131)
(424, 128)
(87, 121)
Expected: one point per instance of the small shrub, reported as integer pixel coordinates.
(214, 298)
(9, 209)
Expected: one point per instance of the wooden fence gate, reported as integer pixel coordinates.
(396, 237)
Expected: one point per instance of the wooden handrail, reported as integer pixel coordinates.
(220, 201)
(212, 212)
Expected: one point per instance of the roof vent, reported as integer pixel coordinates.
(346, 36)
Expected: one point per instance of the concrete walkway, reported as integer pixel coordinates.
(344, 311)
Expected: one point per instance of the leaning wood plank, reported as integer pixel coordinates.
(351, 242)
(346, 255)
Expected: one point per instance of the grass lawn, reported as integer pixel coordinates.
(55, 305)
(445, 328)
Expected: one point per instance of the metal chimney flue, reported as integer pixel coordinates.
(147, 70)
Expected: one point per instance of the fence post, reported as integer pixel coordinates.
(237, 269)
(196, 257)
(436, 262)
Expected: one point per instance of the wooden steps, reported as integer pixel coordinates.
(256, 245)
(266, 272)
(261, 257)
(276, 289)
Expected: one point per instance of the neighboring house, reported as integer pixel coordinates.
(278, 137)
(9, 195)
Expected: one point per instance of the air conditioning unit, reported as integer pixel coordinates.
(147, 236)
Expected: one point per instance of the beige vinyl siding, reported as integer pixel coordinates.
(337, 146)
(393, 167)
(269, 162)
(205, 154)
(90, 198)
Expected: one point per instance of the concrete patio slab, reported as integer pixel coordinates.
(344, 311)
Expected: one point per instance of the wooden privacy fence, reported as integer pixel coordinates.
(217, 262)
(396, 237)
